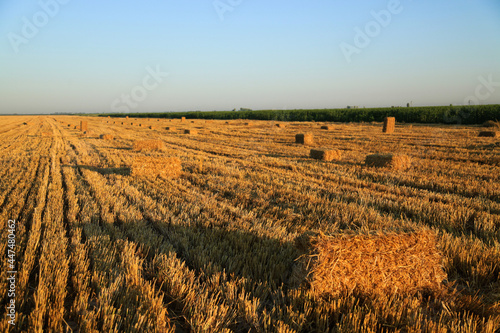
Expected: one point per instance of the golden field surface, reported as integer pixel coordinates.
(101, 248)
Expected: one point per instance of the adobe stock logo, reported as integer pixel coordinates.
(222, 7)
(31, 28)
(372, 29)
(139, 93)
(484, 90)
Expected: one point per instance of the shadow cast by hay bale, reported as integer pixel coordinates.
(124, 171)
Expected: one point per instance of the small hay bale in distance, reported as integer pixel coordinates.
(304, 138)
(280, 125)
(398, 162)
(248, 124)
(84, 126)
(491, 123)
(167, 167)
(140, 145)
(151, 127)
(488, 134)
(375, 264)
(389, 125)
(106, 137)
(327, 127)
(324, 154)
(183, 119)
(170, 128)
(190, 131)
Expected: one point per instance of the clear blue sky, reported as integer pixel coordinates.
(97, 56)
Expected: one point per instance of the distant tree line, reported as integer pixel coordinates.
(426, 114)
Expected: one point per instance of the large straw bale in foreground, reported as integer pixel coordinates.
(148, 145)
(388, 160)
(167, 167)
(325, 154)
(380, 264)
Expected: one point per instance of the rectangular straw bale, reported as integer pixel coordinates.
(148, 145)
(491, 123)
(489, 134)
(168, 167)
(170, 128)
(381, 264)
(151, 127)
(83, 126)
(248, 124)
(191, 131)
(327, 127)
(280, 125)
(106, 137)
(183, 119)
(304, 138)
(325, 154)
(388, 160)
(389, 125)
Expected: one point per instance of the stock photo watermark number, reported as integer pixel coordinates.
(11, 273)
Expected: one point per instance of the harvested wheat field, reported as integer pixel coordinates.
(237, 229)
